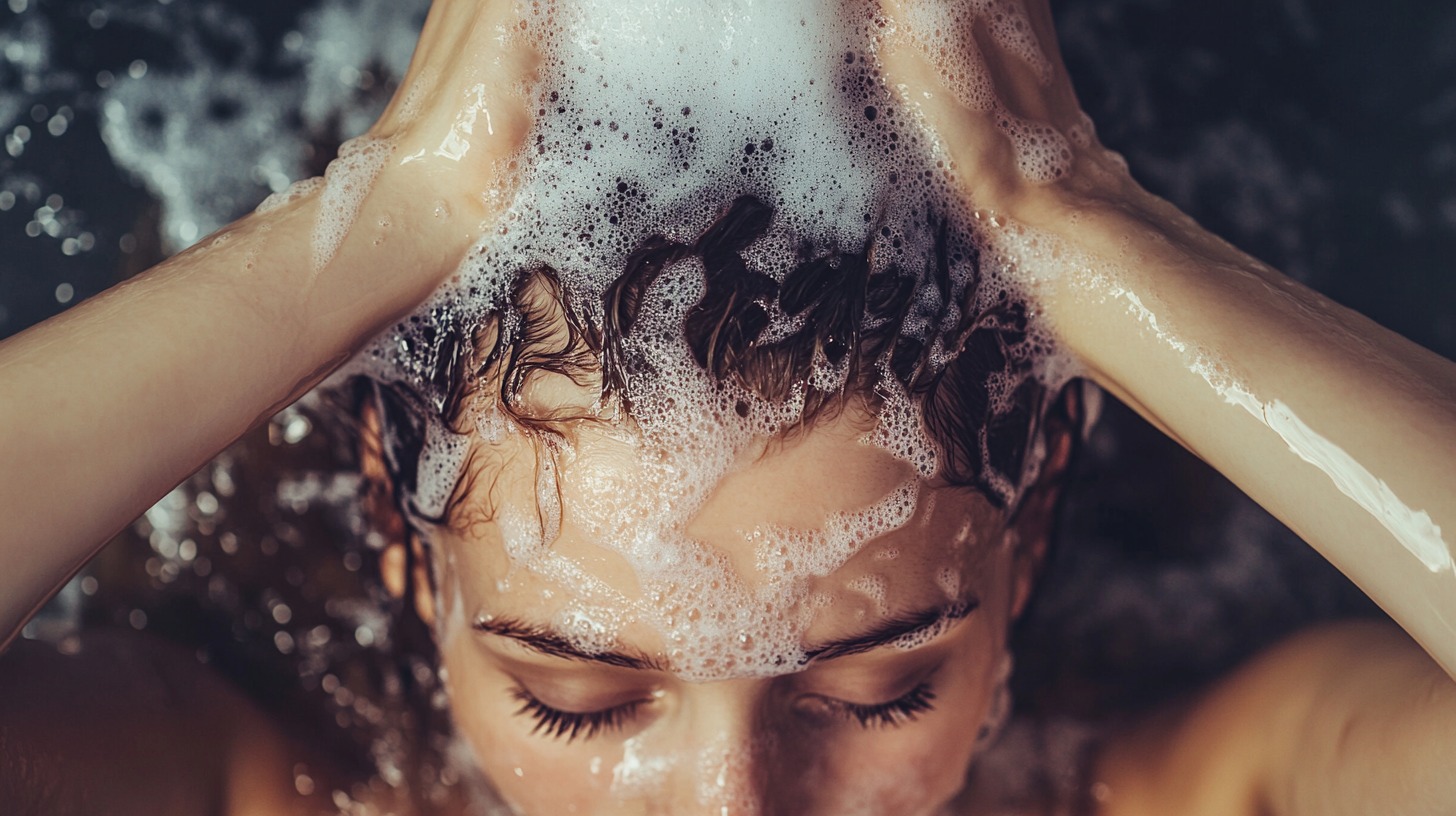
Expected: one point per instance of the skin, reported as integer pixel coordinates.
(217, 751)
(156, 405)
(1348, 720)
(780, 744)
(1158, 299)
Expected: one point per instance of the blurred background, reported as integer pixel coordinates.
(1320, 136)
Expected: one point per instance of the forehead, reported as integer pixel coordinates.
(801, 539)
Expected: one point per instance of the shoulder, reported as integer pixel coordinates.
(1228, 749)
(123, 723)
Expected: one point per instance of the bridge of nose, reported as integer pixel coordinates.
(736, 757)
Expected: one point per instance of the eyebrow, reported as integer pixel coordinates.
(886, 632)
(540, 639)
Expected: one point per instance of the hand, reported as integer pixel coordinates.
(988, 79)
(281, 296)
(444, 148)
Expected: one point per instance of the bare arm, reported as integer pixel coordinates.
(108, 406)
(1342, 429)
(111, 404)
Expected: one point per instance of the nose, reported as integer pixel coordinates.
(723, 773)
(728, 779)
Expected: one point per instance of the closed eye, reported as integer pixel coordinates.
(891, 714)
(568, 725)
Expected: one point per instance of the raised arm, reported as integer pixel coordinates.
(1342, 429)
(108, 406)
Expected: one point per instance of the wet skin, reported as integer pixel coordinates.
(907, 639)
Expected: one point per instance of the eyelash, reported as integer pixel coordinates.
(891, 714)
(557, 724)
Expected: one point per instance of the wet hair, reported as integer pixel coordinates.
(846, 314)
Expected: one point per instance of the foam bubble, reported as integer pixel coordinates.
(941, 31)
(592, 630)
(650, 117)
(874, 587)
(442, 462)
(295, 191)
(347, 183)
(949, 581)
(1043, 154)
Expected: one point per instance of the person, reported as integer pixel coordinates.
(596, 690)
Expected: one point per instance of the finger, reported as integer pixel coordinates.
(447, 27)
(970, 139)
(1044, 24)
(946, 44)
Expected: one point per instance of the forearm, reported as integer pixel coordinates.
(106, 408)
(1342, 429)
(112, 404)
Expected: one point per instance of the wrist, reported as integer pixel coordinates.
(335, 275)
(1116, 270)
(257, 282)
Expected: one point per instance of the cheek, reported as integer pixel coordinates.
(535, 774)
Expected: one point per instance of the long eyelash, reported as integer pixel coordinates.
(558, 724)
(893, 713)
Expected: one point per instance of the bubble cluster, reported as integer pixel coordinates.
(296, 190)
(649, 120)
(942, 31)
(1043, 154)
(441, 463)
(347, 182)
(787, 555)
(874, 587)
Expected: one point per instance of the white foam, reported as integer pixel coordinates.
(949, 581)
(900, 430)
(791, 555)
(347, 182)
(651, 117)
(1043, 154)
(942, 32)
(874, 587)
(442, 462)
(295, 191)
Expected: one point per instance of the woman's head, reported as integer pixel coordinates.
(721, 541)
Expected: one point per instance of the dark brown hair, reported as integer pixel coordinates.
(848, 315)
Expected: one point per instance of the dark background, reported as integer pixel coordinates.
(1318, 134)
